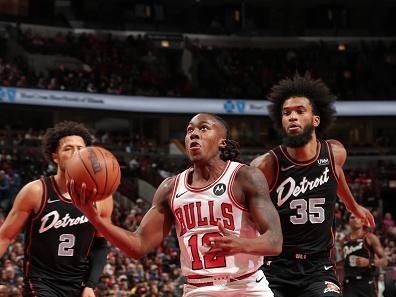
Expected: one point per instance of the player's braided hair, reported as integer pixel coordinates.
(315, 90)
(63, 129)
(231, 151)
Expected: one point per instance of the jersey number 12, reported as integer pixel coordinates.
(209, 260)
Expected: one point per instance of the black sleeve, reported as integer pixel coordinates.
(97, 261)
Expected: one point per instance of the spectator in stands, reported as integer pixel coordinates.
(14, 181)
(388, 224)
(133, 66)
(390, 288)
(5, 194)
(4, 291)
(381, 285)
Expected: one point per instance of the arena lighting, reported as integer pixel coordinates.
(166, 40)
(341, 47)
(165, 43)
(237, 15)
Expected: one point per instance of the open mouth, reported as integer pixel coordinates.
(194, 146)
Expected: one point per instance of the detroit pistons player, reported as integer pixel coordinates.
(64, 256)
(305, 176)
(363, 253)
(224, 218)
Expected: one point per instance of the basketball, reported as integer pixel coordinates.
(97, 168)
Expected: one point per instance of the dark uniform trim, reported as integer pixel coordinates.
(276, 164)
(332, 160)
(283, 150)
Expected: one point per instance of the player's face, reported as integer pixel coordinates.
(205, 135)
(67, 146)
(355, 222)
(298, 121)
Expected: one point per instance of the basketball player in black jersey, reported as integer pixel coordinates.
(305, 176)
(363, 253)
(64, 256)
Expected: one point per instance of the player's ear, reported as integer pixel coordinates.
(54, 158)
(316, 120)
(223, 143)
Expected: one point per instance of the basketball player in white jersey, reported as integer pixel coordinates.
(225, 220)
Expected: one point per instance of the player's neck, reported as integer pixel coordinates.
(306, 152)
(357, 233)
(207, 173)
(61, 182)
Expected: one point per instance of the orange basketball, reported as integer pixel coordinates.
(97, 168)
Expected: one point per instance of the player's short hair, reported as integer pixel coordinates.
(60, 130)
(315, 90)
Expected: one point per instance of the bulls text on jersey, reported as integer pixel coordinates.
(192, 215)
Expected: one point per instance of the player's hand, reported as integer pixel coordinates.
(88, 292)
(365, 215)
(226, 245)
(79, 198)
(362, 262)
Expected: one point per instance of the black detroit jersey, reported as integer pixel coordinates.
(58, 239)
(305, 194)
(352, 249)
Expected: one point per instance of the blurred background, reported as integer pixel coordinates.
(136, 71)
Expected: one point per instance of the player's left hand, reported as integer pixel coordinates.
(365, 215)
(88, 292)
(227, 244)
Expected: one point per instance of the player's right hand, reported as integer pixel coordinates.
(88, 292)
(227, 244)
(365, 215)
(80, 200)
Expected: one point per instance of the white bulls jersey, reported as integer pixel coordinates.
(197, 211)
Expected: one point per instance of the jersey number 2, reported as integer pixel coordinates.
(66, 245)
(209, 260)
(310, 210)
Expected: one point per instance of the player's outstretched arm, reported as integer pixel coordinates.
(343, 190)
(27, 200)
(252, 187)
(153, 229)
